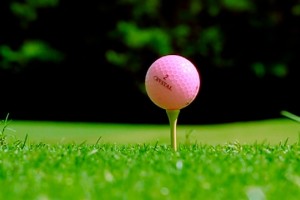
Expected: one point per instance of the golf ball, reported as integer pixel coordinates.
(172, 82)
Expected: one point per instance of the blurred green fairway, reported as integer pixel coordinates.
(270, 131)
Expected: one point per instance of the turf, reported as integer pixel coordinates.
(271, 131)
(108, 171)
(246, 160)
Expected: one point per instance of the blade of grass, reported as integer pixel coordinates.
(25, 140)
(290, 116)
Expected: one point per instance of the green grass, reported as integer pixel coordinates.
(271, 131)
(246, 160)
(107, 171)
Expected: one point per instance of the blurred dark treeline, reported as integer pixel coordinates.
(86, 61)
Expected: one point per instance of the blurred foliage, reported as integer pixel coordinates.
(216, 31)
(32, 50)
(28, 11)
(296, 9)
(259, 36)
(276, 69)
(250, 42)
(238, 5)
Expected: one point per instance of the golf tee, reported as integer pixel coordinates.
(173, 116)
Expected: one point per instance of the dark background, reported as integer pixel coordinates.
(87, 60)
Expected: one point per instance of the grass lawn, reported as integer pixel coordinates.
(245, 160)
(271, 131)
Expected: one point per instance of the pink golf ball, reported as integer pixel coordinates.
(172, 82)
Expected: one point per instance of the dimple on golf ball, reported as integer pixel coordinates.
(172, 82)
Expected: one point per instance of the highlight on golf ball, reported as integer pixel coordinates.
(172, 82)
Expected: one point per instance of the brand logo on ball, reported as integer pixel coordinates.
(162, 82)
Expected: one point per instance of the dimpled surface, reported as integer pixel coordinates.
(172, 82)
